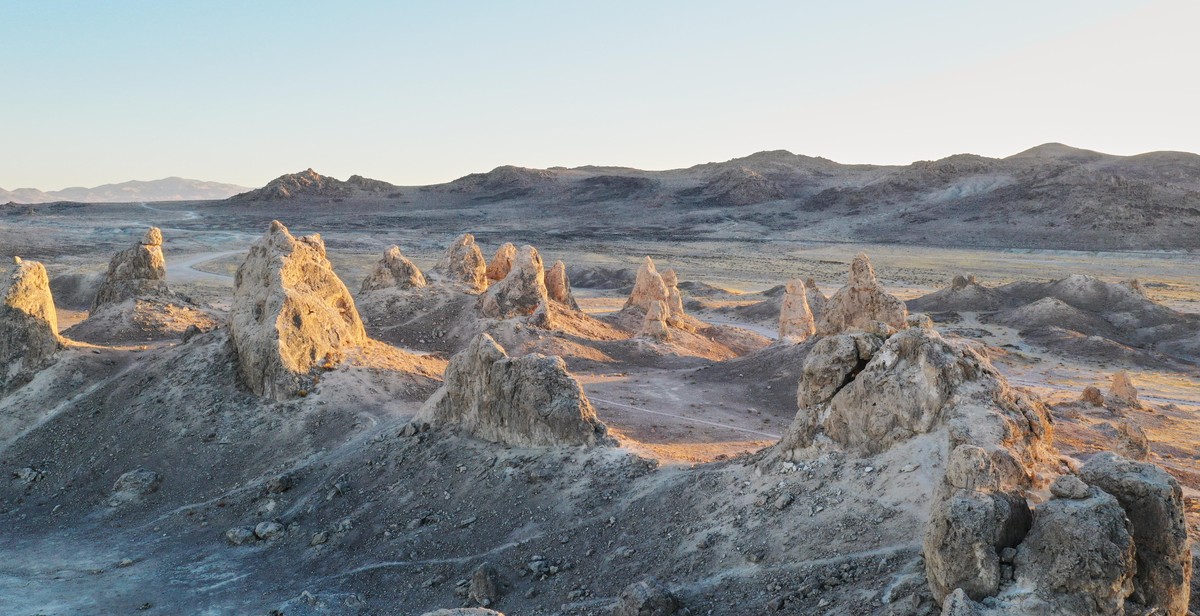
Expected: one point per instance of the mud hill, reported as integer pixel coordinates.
(1078, 315)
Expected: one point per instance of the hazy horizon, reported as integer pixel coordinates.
(239, 94)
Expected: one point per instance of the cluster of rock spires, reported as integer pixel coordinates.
(28, 321)
(657, 296)
(1112, 534)
(291, 317)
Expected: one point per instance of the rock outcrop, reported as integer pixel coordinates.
(521, 291)
(975, 517)
(139, 271)
(866, 393)
(816, 299)
(674, 297)
(291, 315)
(1078, 557)
(1091, 395)
(1112, 540)
(519, 401)
(1122, 390)
(648, 288)
(1153, 502)
(394, 271)
(28, 321)
(502, 262)
(861, 303)
(463, 263)
(795, 317)
(558, 286)
(654, 326)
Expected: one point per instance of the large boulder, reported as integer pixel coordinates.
(795, 317)
(394, 271)
(861, 304)
(137, 272)
(502, 262)
(28, 322)
(291, 316)
(520, 401)
(558, 286)
(1153, 503)
(1079, 556)
(648, 288)
(463, 263)
(521, 291)
(972, 520)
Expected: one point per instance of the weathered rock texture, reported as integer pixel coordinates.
(795, 317)
(1123, 391)
(291, 315)
(816, 299)
(521, 291)
(674, 297)
(648, 288)
(502, 262)
(861, 303)
(655, 324)
(523, 401)
(394, 271)
(558, 286)
(463, 263)
(867, 394)
(28, 322)
(1153, 502)
(1078, 556)
(1112, 540)
(137, 272)
(1091, 395)
(973, 519)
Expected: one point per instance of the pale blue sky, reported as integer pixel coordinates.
(96, 92)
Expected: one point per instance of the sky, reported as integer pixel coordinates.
(421, 93)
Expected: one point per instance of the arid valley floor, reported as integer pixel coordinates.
(362, 508)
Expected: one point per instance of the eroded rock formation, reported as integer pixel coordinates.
(1122, 390)
(521, 291)
(463, 263)
(1153, 502)
(28, 321)
(558, 286)
(291, 314)
(655, 324)
(648, 288)
(502, 262)
(674, 297)
(866, 393)
(394, 271)
(137, 272)
(795, 317)
(520, 401)
(861, 303)
(816, 299)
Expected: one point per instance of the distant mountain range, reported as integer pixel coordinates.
(1050, 196)
(166, 189)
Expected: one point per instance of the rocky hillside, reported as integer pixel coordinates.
(309, 184)
(1051, 196)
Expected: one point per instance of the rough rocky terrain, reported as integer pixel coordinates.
(534, 455)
